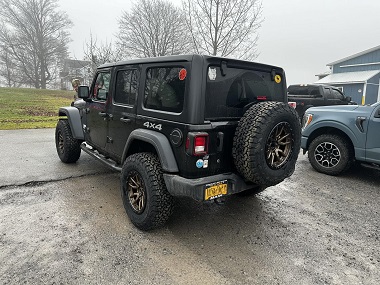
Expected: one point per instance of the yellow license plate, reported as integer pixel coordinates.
(215, 191)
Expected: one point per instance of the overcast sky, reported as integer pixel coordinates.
(301, 36)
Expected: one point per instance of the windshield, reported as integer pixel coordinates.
(226, 96)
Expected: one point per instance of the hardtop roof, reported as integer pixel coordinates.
(188, 57)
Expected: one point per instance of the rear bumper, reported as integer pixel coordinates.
(195, 188)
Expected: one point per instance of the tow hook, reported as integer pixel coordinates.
(220, 200)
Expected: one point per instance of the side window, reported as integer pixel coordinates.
(101, 87)
(165, 88)
(314, 91)
(337, 94)
(328, 94)
(126, 87)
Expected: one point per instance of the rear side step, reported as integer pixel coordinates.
(110, 163)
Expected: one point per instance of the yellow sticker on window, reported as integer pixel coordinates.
(277, 78)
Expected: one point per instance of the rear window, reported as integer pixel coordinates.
(304, 90)
(226, 96)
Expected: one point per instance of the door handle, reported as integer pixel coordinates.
(125, 120)
(102, 114)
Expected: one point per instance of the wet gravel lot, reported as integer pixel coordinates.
(65, 224)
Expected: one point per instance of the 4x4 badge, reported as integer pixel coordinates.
(153, 126)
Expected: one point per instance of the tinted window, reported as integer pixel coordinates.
(101, 87)
(314, 90)
(126, 87)
(226, 96)
(304, 90)
(298, 90)
(328, 94)
(165, 88)
(336, 94)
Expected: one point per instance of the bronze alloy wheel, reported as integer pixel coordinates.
(279, 145)
(68, 147)
(327, 154)
(145, 198)
(136, 192)
(266, 142)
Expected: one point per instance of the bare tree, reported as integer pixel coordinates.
(7, 70)
(100, 53)
(224, 27)
(36, 36)
(153, 28)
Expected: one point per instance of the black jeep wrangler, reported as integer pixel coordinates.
(197, 126)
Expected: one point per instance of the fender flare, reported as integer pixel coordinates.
(331, 124)
(75, 122)
(159, 142)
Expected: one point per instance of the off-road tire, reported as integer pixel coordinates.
(331, 154)
(143, 171)
(68, 148)
(266, 129)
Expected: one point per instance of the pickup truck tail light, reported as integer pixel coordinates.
(293, 104)
(197, 144)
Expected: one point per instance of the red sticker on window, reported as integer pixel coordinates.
(182, 74)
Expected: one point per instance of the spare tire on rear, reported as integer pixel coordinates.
(267, 143)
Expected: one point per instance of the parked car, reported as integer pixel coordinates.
(336, 136)
(196, 126)
(314, 95)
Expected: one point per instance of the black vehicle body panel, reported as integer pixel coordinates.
(119, 130)
(74, 117)
(314, 95)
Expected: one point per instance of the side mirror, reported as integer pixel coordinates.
(377, 114)
(83, 92)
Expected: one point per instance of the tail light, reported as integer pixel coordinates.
(197, 144)
(293, 104)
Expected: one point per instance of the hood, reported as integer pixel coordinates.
(339, 112)
(336, 108)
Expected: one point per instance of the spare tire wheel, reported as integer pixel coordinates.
(267, 142)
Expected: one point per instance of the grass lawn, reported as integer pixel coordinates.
(26, 108)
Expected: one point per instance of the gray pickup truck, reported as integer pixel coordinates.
(336, 136)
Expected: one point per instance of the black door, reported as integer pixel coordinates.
(123, 110)
(97, 117)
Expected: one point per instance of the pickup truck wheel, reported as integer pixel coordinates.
(330, 154)
(267, 142)
(146, 200)
(68, 148)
